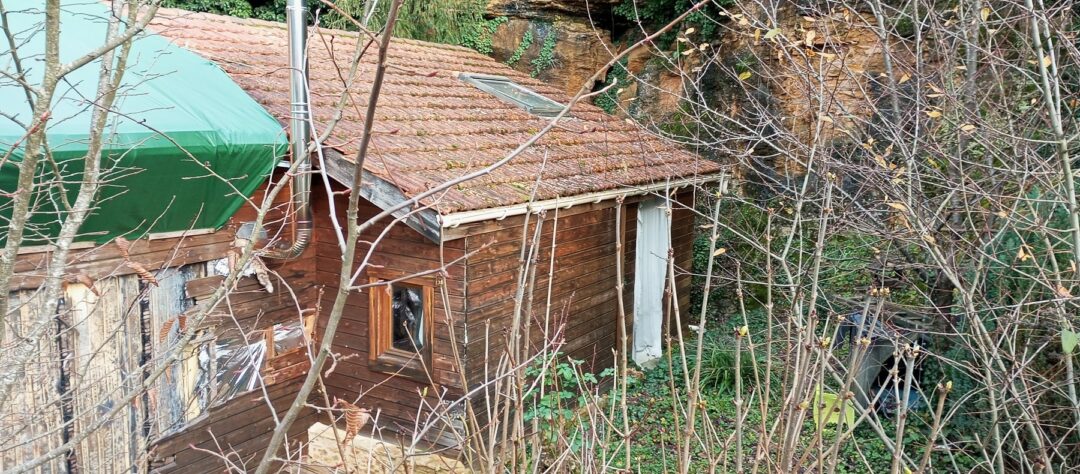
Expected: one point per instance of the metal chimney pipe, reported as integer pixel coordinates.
(296, 19)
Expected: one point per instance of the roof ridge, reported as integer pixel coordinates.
(174, 13)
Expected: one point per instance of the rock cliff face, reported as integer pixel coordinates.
(550, 9)
(553, 40)
(566, 41)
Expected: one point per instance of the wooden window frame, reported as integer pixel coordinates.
(309, 338)
(382, 355)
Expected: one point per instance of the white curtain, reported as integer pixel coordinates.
(650, 271)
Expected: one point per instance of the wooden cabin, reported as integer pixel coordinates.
(444, 112)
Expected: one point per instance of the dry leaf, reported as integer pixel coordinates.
(1063, 292)
(262, 274)
(933, 113)
(772, 33)
(904, 78)
(355, 418)
(143, 273)
(809, 38)
(720, 251)
(124, 245)
(984, 13)
(87, 282)
(967, 128)
(1046, 61)
(898, 206)
(929, 239)
(180, 321)
(689, 31)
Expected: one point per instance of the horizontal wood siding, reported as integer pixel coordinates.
(582, 283)
(113, 335)
(683, 232)
(581, 314)
(402, 250)
(243, 426)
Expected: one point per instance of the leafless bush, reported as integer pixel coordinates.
(908, 162)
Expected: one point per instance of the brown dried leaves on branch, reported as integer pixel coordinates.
(166, 328)
(87, 282)
(355, 418)
(143, 273)
(125, 249)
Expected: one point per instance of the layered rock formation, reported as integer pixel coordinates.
(554, 40)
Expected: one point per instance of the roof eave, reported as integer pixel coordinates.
(456, 219)
(385, 196)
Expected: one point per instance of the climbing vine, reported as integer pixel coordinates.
(478, 35)
(618, 75)
(546, 58)
(526, 41)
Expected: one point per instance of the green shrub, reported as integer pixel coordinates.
(718, 365)
(658, 13)
(618, 75)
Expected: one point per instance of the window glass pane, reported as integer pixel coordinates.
(238, 366)
(518, 94)
(408, 318)
(288, 336)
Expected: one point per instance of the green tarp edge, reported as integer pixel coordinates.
(183, 151)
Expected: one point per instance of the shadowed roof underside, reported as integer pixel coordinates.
(432, 127)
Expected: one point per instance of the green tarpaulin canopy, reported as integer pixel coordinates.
(184, 142)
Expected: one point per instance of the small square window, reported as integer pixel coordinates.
(407, 312)
(400, 326)
(514, 93)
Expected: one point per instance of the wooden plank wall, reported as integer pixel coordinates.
(402, 250)
(582, 306)
(242, 426)
(582, 312)
(107, 338)
(29, 421)
(683, 232)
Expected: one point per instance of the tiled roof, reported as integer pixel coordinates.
(432, 127)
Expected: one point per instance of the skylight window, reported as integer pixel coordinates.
(514, 93)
